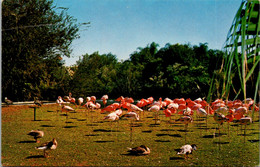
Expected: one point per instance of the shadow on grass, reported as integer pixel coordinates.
(166, 130)
(162, 141)
(200, 124)
(199, 120)
(101, 130)
(175, 125)
(64, 115)
(68, 122)
(176, 158)
(154, 125)
(92, 135)
(47, 126)
(175, 135)
(92, 124)
(244, 134)
(70, 126)
(99, 122)
(106, 130)
(184, 130)
(49, 111)
(81, 119)
(131, 154)
(253, 141)
(204, 128)
(104, 141)
(162, 134)
(35, 156)
(27, 141)
(137, 125)
(147, 131)
(254, 133)
(212, 136)
(220, 142)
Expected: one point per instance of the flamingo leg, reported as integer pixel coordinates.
(117, 129)
(44, 153)
(111, 127)
(218, 137)
(131, 130)
(228, 129)
(206, 122)
(155, 118)
(186, 127)
(245, 134)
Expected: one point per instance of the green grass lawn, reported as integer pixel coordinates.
(84, 139)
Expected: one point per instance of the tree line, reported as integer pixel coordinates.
(178, 70)
(36, 35)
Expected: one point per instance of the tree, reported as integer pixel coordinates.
(95, 75)
(34, 35)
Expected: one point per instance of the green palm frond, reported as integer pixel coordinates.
(242, 49)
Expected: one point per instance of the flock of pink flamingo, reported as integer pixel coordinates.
(222, 111)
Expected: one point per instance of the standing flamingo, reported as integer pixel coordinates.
(220, 119)
(244, 121)
(111, 107)
(131, 107)
(201, 113)
(185, 120)
(67, 109)
(80, 101)
(111, 117)
(93, 99)
(59, 102)
(104, 99)
(155, 108)
(229, 118)
(132, 116)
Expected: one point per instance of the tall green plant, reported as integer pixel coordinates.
(242, 51)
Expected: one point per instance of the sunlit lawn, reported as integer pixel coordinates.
(84, 139)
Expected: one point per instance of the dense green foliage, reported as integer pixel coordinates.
(172, 71)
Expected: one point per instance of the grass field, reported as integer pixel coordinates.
(84, 139)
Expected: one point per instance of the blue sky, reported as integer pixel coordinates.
(121, 26)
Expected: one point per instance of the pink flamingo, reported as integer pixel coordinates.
(155, 108)
(132, 116)
(104, 99)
